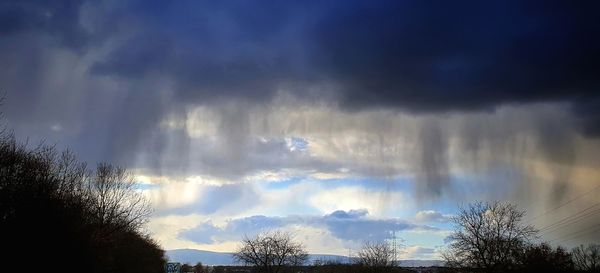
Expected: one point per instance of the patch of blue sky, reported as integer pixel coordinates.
(145, 186)
(371, 183)
(471, 186)
(429, 239)
(402, 185)
(296, 143)
(284, 183)
(496, 183)
(467, 187)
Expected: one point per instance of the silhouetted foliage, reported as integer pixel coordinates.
(544, 258)
(587, 258)
(187, 268)
(133, 252)
(199, 268)
(271, 251)
(56, 213)
(324, 268)
(488, 236)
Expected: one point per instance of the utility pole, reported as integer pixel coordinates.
(349, 255)
(394, 248)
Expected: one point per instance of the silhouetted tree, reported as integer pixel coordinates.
(270, 251)
(199, 268)
(136, 253)
(544, 258)
(377, 254)
(587, 258)
(488, 236)
(115, 204)
(186, 268)
(57, 213)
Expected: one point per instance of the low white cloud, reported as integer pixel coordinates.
(419, 253)
(165, 230)
(378, 202)
(317, 240)
(432, 216)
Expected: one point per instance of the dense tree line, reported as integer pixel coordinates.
(58, 215)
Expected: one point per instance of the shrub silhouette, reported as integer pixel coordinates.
(544, 258)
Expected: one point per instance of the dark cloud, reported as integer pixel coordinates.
(423, 56)
(437, 56)
(586, 109)
(109, 73)
(215, 50)
(60, 20)
(434, 173)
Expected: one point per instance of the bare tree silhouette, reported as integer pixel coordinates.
(587, 257)
(377, 254)
(488, 236)
(115, 203)
(271, 251)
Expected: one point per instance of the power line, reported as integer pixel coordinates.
(583, 217)
(578, 234)
(572, 218)
(575, 237)
(566, 203)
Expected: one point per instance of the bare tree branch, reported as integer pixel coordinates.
(271, 251)
(377, 254)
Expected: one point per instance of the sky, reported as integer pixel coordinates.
(339, 121)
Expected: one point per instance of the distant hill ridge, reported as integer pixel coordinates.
(193, 256)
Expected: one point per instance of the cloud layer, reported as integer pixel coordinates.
(424, 103)
(353, 225)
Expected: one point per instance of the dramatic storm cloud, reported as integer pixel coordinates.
(304, 115)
